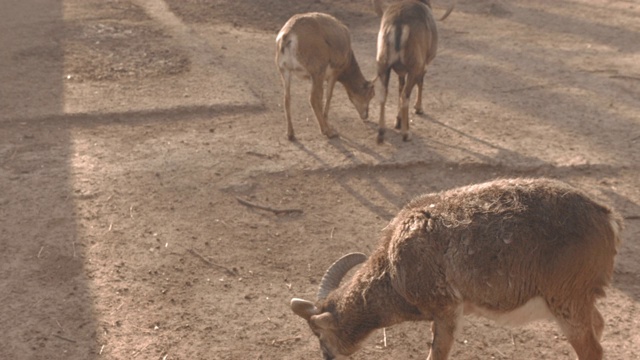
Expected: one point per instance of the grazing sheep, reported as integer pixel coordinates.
(407, 43)
(510, 250)
(318, 46)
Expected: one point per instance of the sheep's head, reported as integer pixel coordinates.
(361, 97)
(321, 319)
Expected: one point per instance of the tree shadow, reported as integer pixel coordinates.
(264, 15)
(47, 310)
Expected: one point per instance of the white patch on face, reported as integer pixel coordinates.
(535, 309)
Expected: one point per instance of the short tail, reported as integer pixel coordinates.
(391, 43)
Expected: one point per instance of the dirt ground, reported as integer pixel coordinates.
(129, 129)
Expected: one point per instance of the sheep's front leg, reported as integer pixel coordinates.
(444, 329)
(331, 82)
(316, 104)
(286, 82)
(420, 84)
(404, 106)
(401, 83)
(382, 85)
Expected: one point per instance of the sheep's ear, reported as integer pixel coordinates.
(303, 308)
(324, 321)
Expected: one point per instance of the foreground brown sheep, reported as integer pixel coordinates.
(509, 250)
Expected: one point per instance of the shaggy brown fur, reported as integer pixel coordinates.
(487, 249)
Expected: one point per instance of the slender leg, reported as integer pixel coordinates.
(286, 82)
(418, 105)
(316, 104)
(382, 85)
(330, 85)
(401, 84)
(404, 107)
(598, 323)
(444, 330)
(381, 126)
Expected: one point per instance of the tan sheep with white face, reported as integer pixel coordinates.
(317, 46)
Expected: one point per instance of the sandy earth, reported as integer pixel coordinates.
(129, 128)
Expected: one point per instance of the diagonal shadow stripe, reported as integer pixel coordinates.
(181, 113)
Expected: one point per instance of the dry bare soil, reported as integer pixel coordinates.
(129, 129)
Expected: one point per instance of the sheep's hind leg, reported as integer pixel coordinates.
(582, 328)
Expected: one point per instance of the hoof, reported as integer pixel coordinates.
(331, 134)
(291, 137)
(405, 137)
(419, 111)
(380, 138)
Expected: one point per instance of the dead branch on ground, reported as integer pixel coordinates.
(211, 264)
(64, 338)
(267, 208)
(280, 341)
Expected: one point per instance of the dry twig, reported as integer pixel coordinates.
(208, 262)
(64, 338)
(280, 341)
(625, 77)
(384, 336)
(137, 352)
(498, 351)
(267, 208)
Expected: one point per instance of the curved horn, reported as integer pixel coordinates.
(337, 271)
(449, 10)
